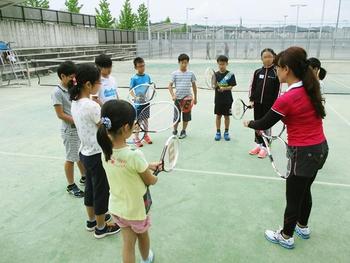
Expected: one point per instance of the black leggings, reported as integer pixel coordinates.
(299, 202)
(259, 112)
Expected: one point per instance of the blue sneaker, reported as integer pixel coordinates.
(277, 238)
(227, 136)
(218, 136)
(304, 232)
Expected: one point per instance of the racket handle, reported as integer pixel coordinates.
(156, 172)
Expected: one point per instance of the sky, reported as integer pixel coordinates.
(228, 12)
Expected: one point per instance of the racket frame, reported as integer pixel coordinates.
(210, 84)
(131, 98)
(268, 139)
(175, 120)
(168, 143)
(245, 108)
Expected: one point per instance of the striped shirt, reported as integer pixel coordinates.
(183, 83)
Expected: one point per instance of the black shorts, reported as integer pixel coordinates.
(307, 160)
(223, 109)
(185, 116)
(96, 185)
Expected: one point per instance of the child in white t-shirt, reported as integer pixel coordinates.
(108, 89)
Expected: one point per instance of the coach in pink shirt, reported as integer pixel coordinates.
(302, 111)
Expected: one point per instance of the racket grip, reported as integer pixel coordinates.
(156, 172)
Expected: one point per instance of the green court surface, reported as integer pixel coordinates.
(214, 207)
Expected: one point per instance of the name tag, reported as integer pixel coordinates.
(261, 76)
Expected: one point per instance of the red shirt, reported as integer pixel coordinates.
(304, 126)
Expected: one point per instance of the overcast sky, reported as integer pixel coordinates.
(228, 12)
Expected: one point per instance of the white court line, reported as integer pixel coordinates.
(250, 176)
(340, 83)
(338, 114)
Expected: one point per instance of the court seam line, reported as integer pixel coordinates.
(338, 114)
(193, 171)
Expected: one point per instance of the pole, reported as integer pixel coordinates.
(297, 22)
(149, 31)
(321, 28)
(336, 29)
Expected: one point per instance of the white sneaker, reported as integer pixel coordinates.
(277, 238)
(303, 232)
(150, 257)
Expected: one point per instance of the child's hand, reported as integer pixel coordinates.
(251, 104)
(155, 166)
(195, 101)
(173, 97)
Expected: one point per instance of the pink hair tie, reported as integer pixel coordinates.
(74, 81)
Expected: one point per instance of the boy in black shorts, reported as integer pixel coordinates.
(223, 97)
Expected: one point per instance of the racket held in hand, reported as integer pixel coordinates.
(169, 156)
(157, 117)
(142, 94)
(278, 152)
(239, 108)
(210, 78)
(186, 104)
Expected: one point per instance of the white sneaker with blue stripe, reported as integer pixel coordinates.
(277, 238)
(303, 232)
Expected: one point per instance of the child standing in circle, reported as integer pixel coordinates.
(264, 91)
(129, 175)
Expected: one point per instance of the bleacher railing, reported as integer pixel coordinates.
(23, 13)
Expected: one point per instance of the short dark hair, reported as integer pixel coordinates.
(103, 61)
(222, 58)
(138, 60)
(322, 73)
(315, 63)
(66, 68)
(183, 57)
(267, 50)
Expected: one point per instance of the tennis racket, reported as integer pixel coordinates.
(169, 156)
(239, 108)
(186, 104)
(210, 78)
(142, 94)
(278, 151)
(157, 117)
(168, 160)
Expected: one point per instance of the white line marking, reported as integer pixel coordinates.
(338, 114)
(340, 83)
(250, 176)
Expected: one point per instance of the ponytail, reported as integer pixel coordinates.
(296, 59)
(105, 142)
(313, 90)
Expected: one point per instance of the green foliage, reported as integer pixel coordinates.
(37, 3)
(104, 18)
(73, 6)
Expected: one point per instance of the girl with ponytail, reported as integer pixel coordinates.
(301, 109)
(128, 175)
(87, 116)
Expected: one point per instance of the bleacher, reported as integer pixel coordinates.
(41, 61)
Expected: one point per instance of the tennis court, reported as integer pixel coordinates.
(214, 207)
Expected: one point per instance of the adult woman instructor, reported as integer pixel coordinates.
(302, 111)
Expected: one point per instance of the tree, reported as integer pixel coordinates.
(167, 20)
(127, 19)
(37, 3)
(73, 6)
(142, 16)
(104, 18)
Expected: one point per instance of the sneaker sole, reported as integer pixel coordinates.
(107, 234)
(301, 235)
(75, 196)
(279, 243)
(90, 229)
